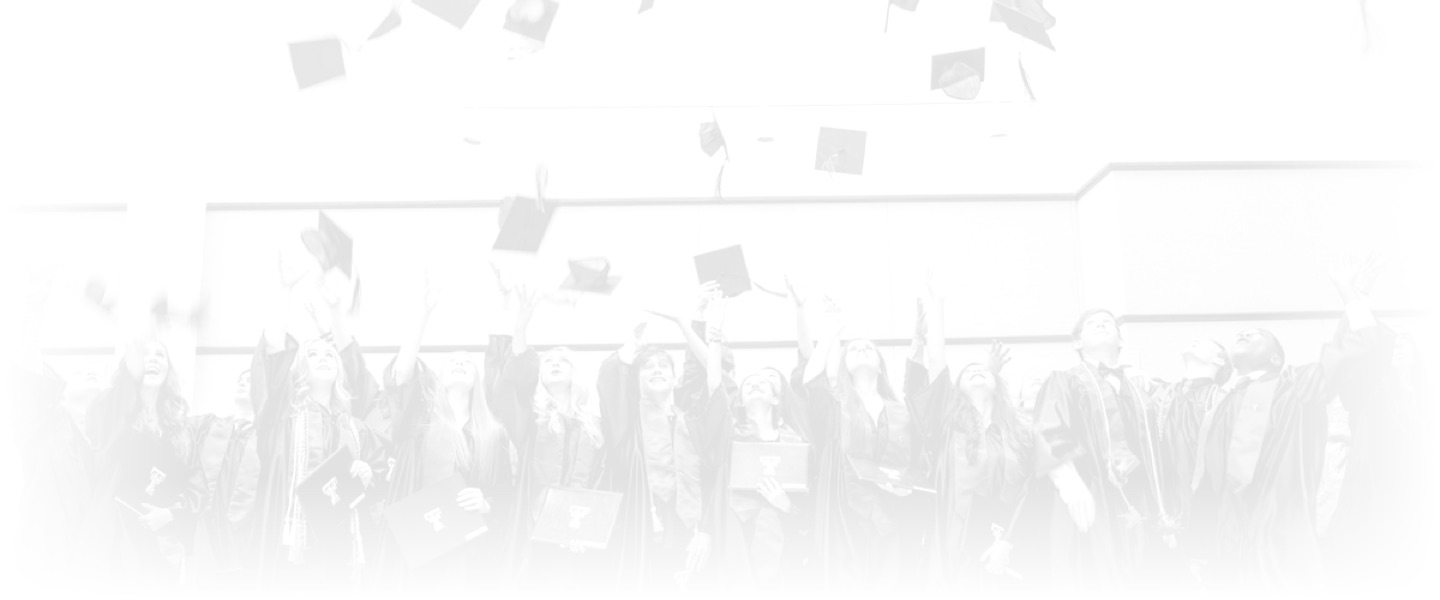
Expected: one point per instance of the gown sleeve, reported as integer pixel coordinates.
(1057, 441)
(363, 388)
(926, 400)
(512, 394)
(1351, 360)
(617, 408)
(270, 384)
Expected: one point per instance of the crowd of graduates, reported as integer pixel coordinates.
(1111, 482)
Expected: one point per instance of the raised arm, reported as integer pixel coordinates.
(405, 359)
(1353, 357)
(615, 387)
(803, 337)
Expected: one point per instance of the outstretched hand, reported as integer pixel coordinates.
(1354, 276)
(998, 358)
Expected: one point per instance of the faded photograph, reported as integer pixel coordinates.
(720, 299)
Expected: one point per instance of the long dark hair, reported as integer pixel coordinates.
(845, 388)
(124, 410)
(962, 417)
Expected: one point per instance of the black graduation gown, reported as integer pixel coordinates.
(546, 459)
(333, 556)
(1070, 428)
(57, 462)
(1264, 534)
(865, 537)
(646, 560)
(972, 497)
(226, 450)
(754, 545)
(139, 466)
(421, 460)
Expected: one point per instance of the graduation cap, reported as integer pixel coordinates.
(959, 74)
(391, 21)
(1025, 17)
(711, 140)
(96, 291)
(646, 5)
(590, 275)
(840, 151)
(330, 245)
(523, 223)
(727, 267)
(317, 61)
(531, 18)
(906, 4)
(454, 12)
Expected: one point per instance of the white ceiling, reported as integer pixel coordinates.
(189, 100)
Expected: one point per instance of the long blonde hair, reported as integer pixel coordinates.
(300, 377)
(579, 408)
(483, 427)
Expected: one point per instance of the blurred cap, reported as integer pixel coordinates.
(330, 245)
(840, 151)
(646, 5)
(958, 73)
(711, 140)
(906, 4)
(523, 223)
(725, 266)
(454, 12)
(1025, 17)
(391, 21)
(590, 275)
(531, 18)
(317, 61)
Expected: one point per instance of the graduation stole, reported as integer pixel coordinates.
(1131, 517)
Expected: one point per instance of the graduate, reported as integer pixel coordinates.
(443, 426)
(48, 422)
(1383, 519)
(1097, 445)
(984, 460)
(227, 452)
(759, 535)
(651, 456)
(1184, 408)
(555, 427)
(867, 535)
(148, 489)
(302, 395)
(1253, 494)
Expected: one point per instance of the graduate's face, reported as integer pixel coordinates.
(457, 371)
(1205, 351)
(1099, 330)
(976, 380)
(657, 374)
(757, 390)
(242, 390)
(1253, 348)
(83, 387)
(322, 364)
(156, 364)
(776, 379)
(862, 356)
(556, 368)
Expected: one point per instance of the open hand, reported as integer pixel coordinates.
(155, 518)
(998, 358)
(362, 470)
(775, 494)
(472, 499)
